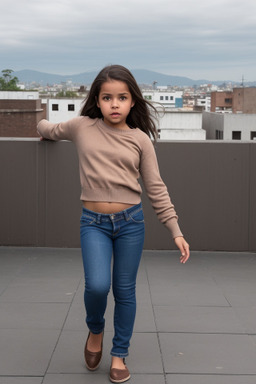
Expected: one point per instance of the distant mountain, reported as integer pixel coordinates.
(142, 76)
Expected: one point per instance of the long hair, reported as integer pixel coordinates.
(141, 114)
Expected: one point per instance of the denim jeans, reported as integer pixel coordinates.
(120, 235)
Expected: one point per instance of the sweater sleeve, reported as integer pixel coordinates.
(59, 131)
(156, 189)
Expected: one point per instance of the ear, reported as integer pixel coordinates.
(133, 103)
(96, 99)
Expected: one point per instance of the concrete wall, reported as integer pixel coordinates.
(19, 95)
(246, 123)
(176, 125)
(212, 122)
(213, 186)
(63, 114)
(229, 123)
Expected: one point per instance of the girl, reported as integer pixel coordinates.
(113, 140)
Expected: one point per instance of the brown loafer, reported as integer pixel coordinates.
(92, 359)
(119, 375)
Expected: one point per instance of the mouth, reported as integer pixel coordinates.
(115, 114)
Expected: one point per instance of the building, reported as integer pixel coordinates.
(202, 103)
(20, 113)
(244, 100)
(62, 109)
(221, 101)
(165, 97)
(231, 126)
(240, 100)
(181, 125)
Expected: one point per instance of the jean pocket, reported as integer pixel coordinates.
(87, 219)
(137, 217)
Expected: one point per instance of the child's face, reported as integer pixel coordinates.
(115, 102)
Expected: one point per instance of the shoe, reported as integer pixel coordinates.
(119, 375)
(92, 359)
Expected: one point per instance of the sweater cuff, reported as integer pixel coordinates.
(173, 226)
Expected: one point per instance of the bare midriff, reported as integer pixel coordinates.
(104, 207)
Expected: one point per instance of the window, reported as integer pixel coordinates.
(55, 107)
(71, 107)
(171, 97)
(218, 135)
(253, 135)
(148, 97)
(236, 135)
(228, 101)
(166, 97)
(161, 97)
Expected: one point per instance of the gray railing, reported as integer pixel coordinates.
(213, 186)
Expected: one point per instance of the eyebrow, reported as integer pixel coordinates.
(119, 94)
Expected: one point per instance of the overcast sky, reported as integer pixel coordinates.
(214, 40)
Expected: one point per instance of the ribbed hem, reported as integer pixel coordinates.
(117, 195)
(173, 226)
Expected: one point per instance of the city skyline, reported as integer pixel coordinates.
(213, 40)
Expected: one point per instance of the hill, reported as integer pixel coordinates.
(142, 76)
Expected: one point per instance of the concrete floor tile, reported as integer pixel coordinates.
(75, 320)
(99, 378)
(210, 379)
(208, 354)
(241, 294)
(26, 352)
(145, 355)
(143, 293)
(197, 319)
(187, 294)
(247, 318)
(20, 380)
(42, 290)
(33, 315)
(86, 378)
(145, 321)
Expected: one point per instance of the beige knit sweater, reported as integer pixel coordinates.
(111, 161)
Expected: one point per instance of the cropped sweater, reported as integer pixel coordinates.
(111, 161)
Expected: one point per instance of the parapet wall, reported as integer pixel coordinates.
(212, 184)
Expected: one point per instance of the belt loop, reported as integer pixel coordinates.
(126, 216)
(98, 219)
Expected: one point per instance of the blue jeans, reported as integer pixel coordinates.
(120, 235)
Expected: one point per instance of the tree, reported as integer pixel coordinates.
(8, 82)
(70, 94)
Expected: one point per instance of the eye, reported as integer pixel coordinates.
(122, 98)
(106, 98)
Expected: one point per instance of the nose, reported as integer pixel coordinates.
(115, 103)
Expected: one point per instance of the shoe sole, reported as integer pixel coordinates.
(119, 381)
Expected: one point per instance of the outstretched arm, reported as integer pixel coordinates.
(183, 247)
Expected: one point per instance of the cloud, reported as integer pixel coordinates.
(184, 38)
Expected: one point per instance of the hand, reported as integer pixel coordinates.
(183, 247)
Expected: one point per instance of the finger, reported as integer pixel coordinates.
(185, 253)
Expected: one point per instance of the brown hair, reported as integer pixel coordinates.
(140, 116)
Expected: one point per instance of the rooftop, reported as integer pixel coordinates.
(195, 322)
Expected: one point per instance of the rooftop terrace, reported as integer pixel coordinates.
(195, 322)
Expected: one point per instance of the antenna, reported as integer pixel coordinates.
(242, 84)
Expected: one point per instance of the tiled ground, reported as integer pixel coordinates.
(196, 323)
